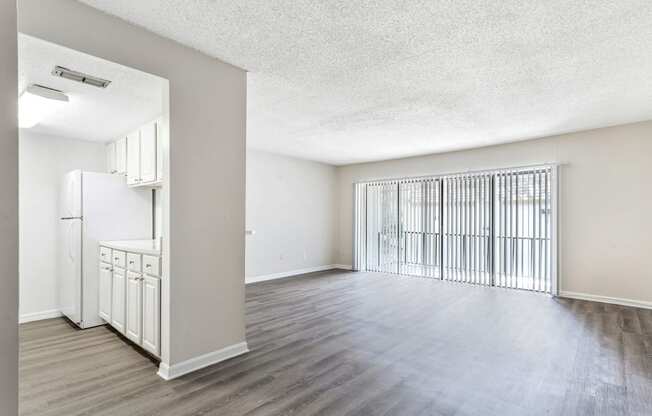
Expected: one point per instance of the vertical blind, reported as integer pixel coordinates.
(490, 228)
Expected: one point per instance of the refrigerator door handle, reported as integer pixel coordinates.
(70, 239)
(72, 218)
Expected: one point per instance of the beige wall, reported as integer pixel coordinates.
(204, 226)
(606, 203)
(8, 210)
(291, 206)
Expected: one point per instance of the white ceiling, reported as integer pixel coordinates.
(95, 114)
(348, 81)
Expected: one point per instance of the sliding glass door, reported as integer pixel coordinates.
(419, 230)
(524, 230)
(381, 235)
(467, 225)
(491, 228)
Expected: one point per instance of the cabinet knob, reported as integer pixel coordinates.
(148, 265)
(131, 262)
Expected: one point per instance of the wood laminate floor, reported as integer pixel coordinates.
(338, 343)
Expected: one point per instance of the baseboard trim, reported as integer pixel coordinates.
(39, 316)
(167, 372)
(343, 266)
(606, 299)
(281, 275)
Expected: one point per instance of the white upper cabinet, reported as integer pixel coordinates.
(139, 156)
(143, 166)
(133, 158)
(121, 156)
(110, 158)
(159, 154)
(148, 153)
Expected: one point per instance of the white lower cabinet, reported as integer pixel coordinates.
(152, 314)
(118, 299)
(134, 307)
(130, 300)
(106, 284)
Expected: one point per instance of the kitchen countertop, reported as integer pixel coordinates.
(149, 247)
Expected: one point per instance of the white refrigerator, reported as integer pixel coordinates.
(94, 207)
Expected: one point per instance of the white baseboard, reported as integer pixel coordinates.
(264, 277)
(343, 266)
(38, 316)
(606, 299)
(167, 372)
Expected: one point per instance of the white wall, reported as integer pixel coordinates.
(606, 203)
(291, 207)
(43, 161)
(8, 210)
(158, 214)
(204, 173)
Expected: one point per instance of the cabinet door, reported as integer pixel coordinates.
(134, 307)
(148, 153)
(152, 314)
(110, 157)
(159, 153)
(133, 158)
(121, 156)
(118, 299)
(105, 291)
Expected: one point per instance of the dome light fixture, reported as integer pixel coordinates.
(38, 102)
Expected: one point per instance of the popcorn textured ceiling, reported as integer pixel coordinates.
(351, 81)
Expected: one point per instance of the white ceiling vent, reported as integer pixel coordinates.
(66, 73)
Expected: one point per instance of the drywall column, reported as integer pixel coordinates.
(8, 210)
(204, 173)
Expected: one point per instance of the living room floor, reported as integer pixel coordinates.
(342, 343)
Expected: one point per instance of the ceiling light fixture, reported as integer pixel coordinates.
(38, 102)
(66, 73)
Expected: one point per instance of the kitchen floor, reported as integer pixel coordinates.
(339, 343)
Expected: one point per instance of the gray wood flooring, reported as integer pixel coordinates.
(338, 343)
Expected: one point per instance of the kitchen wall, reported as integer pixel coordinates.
(606, 203)
(8, 210)
(291, 207)
(43, 161)
(158, 213)
(204, 172)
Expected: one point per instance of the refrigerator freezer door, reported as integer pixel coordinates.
(71, 195)
(70, 269)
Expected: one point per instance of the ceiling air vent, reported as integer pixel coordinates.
(66, 73)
